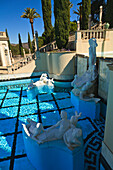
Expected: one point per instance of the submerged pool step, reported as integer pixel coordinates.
(13, 86)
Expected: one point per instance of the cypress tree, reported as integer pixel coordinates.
(109, 13)
(86, 11)
(29, 42)
(62, 21)
(20, 45)
(46, 9)
(8, 40)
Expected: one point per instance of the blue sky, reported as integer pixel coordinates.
(11, 10)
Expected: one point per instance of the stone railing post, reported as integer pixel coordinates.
(9, 68)
(29, 51)
(78, 25)
(89, 22)
(12, 59)
(24, 53)
(100, 17)
(35, 46)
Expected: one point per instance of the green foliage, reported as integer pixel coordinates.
(26, 50)
(46, 9)
(22, 54)
(62, 21)
(30, 13)
(15, 49)
(52, 36)
(86, 11)
(109, 13)
(40, 41)
(73, 27)
(20, 45)
(8, 40)
(44, 38)
(95, 10)
(33, 46)
(29, 42)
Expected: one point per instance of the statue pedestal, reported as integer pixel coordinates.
(88, 108)
(53, 155)
(32, 92)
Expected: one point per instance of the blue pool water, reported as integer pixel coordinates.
(15, 108)
(15, 84)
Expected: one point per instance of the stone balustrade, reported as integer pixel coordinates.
(20, 63)
(104, 39)
(98, 27)
(88, 34)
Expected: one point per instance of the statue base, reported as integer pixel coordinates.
(88, 108)
(53, 155)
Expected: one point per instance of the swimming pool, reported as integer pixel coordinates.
(17, 84)
(15, 108)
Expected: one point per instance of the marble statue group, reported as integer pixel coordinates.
(64, 129)
(43, 85)
(86, 85)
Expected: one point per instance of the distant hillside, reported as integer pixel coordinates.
(15, 48)
(25, 45)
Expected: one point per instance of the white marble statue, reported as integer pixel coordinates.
(64, 129)
(44, 85)
(34, 128)
(56, 131)
(85, 86)
(72, 137)
(92, 52)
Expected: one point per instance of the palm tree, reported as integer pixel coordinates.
(79, 12)
(30, 14)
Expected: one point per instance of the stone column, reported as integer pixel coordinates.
(24, 53)
(100, 17)
(78, 25)
(6, 54)
(12, 60)
(29, 51)
(35, 43)
(2, 55)
(107, 144)
(10, 54)
(89, 22)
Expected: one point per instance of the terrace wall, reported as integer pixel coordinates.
(60, 66)
(104, 40)
(107, 144)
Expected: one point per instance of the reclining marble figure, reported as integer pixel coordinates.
(86, 85)
(72, 137)
(44, 85)
(64, 129)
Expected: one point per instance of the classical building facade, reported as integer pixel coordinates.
(5, 59)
